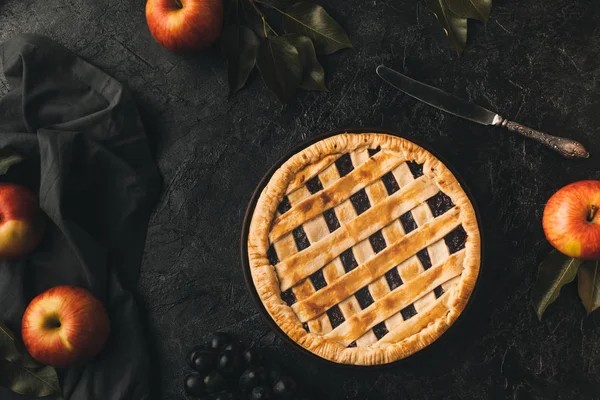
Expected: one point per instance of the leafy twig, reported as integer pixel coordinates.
(286, 62)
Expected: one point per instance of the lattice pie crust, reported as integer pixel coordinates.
(364, 248)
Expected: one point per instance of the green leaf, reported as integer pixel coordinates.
(313, 73)
(312, 20)
(553, 273)
(20, 373)
(240, 45)
(454, 26)
(588, 285)
(8, 161)
(475, 9)
(39, 382)
(278, 61)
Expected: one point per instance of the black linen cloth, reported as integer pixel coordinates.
(88, 158)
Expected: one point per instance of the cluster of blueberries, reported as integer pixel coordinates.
(225, 369)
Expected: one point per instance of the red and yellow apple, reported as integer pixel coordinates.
(185, 25)
(65, 325)
(21, 222)
(571, 220)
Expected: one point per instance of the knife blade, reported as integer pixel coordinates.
(437, 98)
(473, 112)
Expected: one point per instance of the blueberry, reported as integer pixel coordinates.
(235, 345)
(285, 388)
(204, 360)
(253, 357)
(192, 353)
(230, 363)
(273, 372)
(226, 395)
(214, 382)
(218, 340)
(194, 385)
(261, 393)
(252, 377)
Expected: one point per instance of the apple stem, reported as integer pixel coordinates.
(592, 214)
(179, 3)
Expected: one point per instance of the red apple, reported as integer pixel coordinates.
(65, 325)
(185, 25)
(21, 222)
(571, 220)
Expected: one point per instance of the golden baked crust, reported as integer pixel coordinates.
(272, 232)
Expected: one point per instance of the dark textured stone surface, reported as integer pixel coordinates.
(536, 61)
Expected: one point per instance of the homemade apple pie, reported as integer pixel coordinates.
(364, 248)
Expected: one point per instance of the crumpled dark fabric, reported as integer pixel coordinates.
(88, 158)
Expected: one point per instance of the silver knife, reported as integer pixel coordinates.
(459, 107)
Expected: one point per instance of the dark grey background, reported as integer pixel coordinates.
(536, 61)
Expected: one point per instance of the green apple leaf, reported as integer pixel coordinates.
(554, 272)
(278, 61)
(454, 25)
(239, 46)
(475, 9)
(8, 161)
(20, 373)
(312, 20)
(313, 73)
(588, 285)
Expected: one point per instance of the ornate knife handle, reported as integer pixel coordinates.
(567, 147)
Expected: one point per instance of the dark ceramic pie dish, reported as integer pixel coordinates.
(428, 351)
